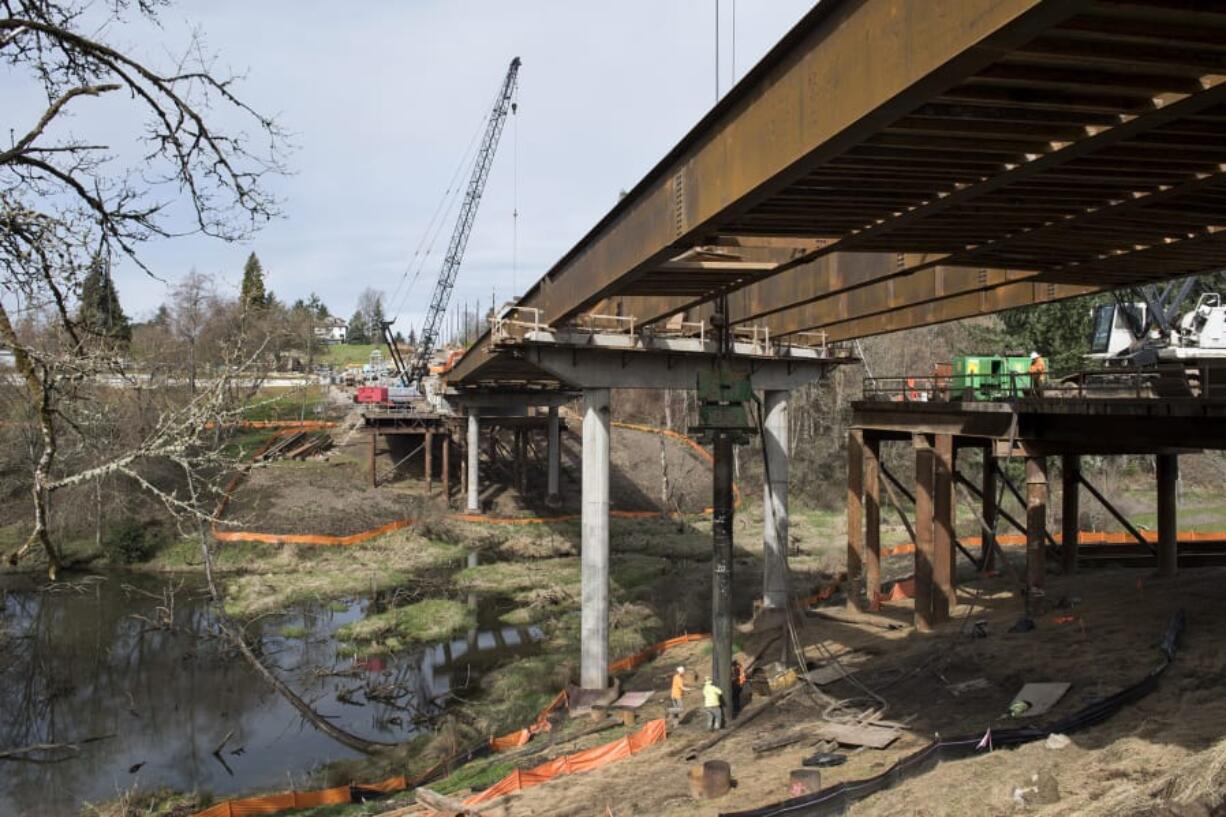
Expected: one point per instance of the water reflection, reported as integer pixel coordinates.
(90, 660)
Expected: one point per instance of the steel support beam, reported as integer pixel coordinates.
(721, 570)
(1168, 523)
(1036, 533)
(855, 516)
(1070, 511)
(554, 456)
(872, 520)
(944, 562)
(924, 544)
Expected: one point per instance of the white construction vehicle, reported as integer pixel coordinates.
(1146, 334)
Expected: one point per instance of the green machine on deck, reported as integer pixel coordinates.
(989, 377)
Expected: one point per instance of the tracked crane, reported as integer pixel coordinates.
(419, 366)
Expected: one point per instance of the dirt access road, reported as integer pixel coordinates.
(1115, 768)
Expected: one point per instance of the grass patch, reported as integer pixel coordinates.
(322, 574)
(423, 621)
(229, 557)
(294, 631)
(522, 580)
(480, 774)
(299, 403)
(343, 354)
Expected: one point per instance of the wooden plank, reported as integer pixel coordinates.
(874, 737)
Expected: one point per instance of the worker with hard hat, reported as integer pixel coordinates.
(1037, 371)
(678, 690)
(712, 703)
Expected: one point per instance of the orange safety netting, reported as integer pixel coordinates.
(652, 733)
(1108, 537)
(275, 803)
(583, 761)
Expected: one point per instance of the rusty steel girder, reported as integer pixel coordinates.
(846, 70)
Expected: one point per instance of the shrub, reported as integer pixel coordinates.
(129, 542)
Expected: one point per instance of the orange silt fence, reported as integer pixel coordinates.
(652, 733)
(519, 737)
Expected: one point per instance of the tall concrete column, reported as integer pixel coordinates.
(775, 502)
(474, 457)
(553, 455)
(594, 554)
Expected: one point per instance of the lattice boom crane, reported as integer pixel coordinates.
(420, 363)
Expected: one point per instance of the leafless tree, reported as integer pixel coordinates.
(65, 200)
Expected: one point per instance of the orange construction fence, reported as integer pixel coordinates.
(653, 732)
(541, 724)
(582, 761)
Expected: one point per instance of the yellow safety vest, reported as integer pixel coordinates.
(711, 694)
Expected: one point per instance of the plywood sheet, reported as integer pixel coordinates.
(1041, 697)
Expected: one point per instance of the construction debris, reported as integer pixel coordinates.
(298, 446)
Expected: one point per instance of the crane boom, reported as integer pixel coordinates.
(420, 363)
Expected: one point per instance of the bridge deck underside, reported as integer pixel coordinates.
(959, 161)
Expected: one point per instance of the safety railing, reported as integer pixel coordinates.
(516, 322)
(1005, 386)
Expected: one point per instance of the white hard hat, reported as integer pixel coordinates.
(1034, 355)
(680, 670)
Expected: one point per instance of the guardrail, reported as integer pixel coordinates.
(1005, 386)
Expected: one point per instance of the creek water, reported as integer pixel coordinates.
(93, 660)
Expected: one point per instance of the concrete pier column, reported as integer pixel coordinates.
(1036, 532)
(553, 455)
(775, 502)
(1070, 511)
(594, 554)
(855, 515)
(1168, 534)
(474, 457)
(924, 547)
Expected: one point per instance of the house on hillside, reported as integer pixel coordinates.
(332, 330)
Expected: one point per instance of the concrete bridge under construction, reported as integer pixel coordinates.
(889, 164)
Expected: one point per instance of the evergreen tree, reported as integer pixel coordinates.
(412, 337)
(358, 332)
(100, 314)
(253, 295)
(161, 317)
(316, 304)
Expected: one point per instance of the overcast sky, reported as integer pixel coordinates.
(383, 98)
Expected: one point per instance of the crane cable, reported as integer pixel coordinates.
(515, 193)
